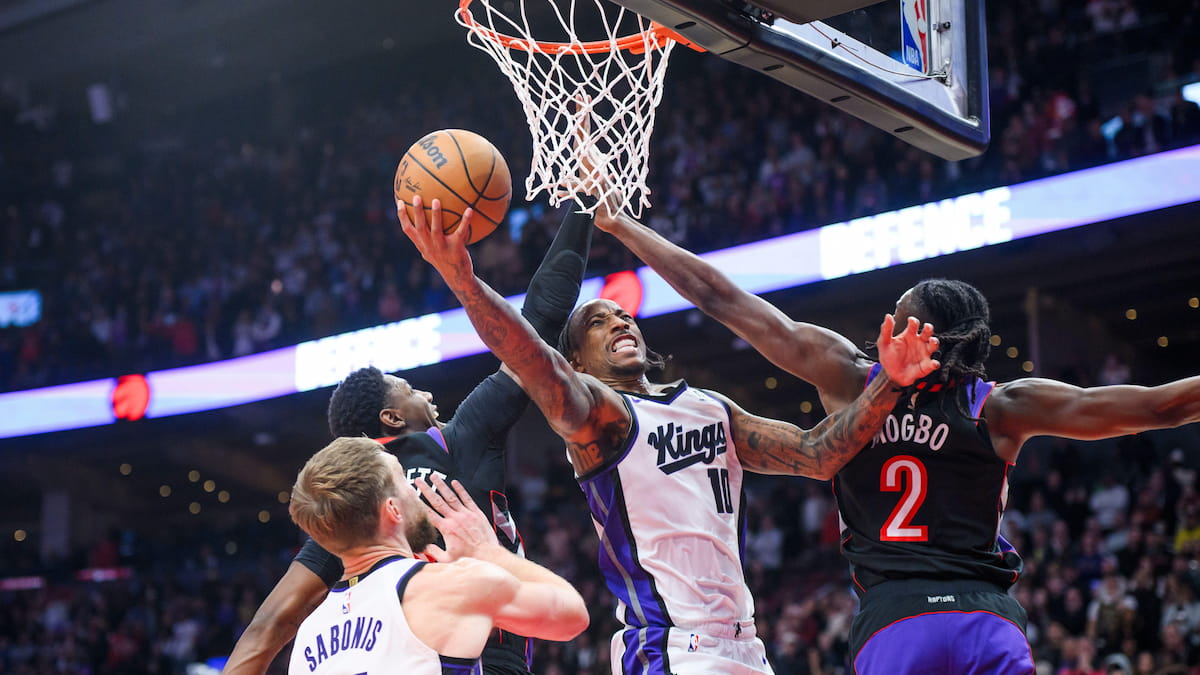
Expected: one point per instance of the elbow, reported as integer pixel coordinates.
(824, 473)
(577, 619)
(267, 629)
(570, 620)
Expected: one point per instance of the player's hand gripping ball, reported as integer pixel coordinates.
(463, 170)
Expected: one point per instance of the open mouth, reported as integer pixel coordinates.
(625, 343)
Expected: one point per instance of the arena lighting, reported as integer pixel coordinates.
(922, 232)
(20, 308)
(1191, 92)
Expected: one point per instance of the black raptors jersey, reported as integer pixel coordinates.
(924, 499)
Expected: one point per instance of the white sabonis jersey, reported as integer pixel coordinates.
(669, 512)
(360, 627)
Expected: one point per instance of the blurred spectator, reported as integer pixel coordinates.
(1114, 370)
(1111, 499)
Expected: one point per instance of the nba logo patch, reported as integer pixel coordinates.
(694, 643)
(346, 606)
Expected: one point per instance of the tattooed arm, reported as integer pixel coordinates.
(588, 414)
(775, 447)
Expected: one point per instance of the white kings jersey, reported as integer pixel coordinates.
(360, 628)
(669, 512)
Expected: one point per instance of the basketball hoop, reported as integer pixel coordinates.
(589, 105)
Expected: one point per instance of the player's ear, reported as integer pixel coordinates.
(390, 512)
(391, 419)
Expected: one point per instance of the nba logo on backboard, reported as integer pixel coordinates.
(694, 643)
(914, 29)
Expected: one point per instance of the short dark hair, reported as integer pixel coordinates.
(567, 347)
(960, 316)
(355, 404)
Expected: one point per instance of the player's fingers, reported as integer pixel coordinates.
(913, 327)
(418, 213)
(927, 331)
(402, 214)
(435, 215)
(436, 553)
(887, 328)
(446, 492)
(463, 495)
(462, 233)
(436, 503)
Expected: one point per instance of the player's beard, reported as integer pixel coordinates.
(421, 533)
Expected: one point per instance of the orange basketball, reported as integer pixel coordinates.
(463, 170)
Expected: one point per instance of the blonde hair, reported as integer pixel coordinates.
(338, 493)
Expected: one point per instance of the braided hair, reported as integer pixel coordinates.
(960, 316)
(355, 404)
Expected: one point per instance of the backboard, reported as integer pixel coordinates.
(914, 68)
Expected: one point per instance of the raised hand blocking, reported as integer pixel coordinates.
(464, 528)
(907, 357)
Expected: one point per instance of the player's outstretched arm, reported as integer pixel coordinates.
(494, 406)
(775, 447)
(554, 288)
(817, 355)
(275, 623)
(544, 605)
(581, 409)
(1029, 407)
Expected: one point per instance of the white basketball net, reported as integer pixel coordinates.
(579, 104)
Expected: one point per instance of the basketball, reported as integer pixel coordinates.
(462, 169)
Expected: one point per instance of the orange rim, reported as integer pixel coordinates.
(635, 43)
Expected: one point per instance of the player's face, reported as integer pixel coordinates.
(413, 405)
(904, 309)
(418, 530)
(607, 340)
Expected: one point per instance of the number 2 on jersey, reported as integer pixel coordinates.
(898, 526)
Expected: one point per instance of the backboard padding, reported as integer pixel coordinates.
(947, 117)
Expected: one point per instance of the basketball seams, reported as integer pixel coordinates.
(449, 189)
(480, 193)
(467, 172)
(467, 166)
(453, 180)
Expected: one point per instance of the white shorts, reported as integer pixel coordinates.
(678, 651)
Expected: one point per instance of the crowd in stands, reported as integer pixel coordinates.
(1110, 535)
(195, 241)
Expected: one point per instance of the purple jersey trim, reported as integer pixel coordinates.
(623, 573)
(645, 651)
(437, 436)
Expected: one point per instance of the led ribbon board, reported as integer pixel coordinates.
(922, 232)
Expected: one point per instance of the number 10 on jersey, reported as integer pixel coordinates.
(720, 486)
